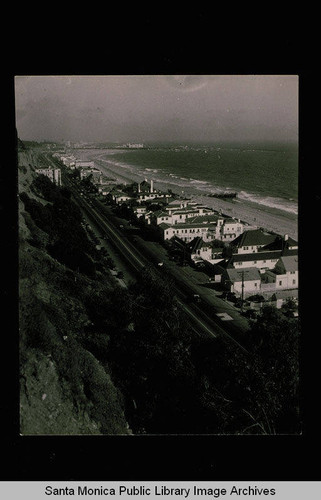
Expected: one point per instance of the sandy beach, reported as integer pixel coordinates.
(272, 219)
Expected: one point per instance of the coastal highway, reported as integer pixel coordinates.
(202, 315)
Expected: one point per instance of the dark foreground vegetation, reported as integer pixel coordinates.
(129, 356)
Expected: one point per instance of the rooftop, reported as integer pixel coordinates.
(254, 237)
(196, 244)
(246, 274)
(280, 243)
(161, 213)
(290, 262)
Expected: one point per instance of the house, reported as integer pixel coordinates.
(69, 161)
(282, 243)
(281, 296)
(231, 229)
(285, 275)
(187, 232)
(84, 164)
(199, 250)
(261, 260)
(177, 204)
(118, 196)
(160, 216)
(250, 241)
(242, 282)
(95, 174)
(188, 214)
(139, 210)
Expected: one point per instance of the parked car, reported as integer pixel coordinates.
(231, 297)
(120, 274)
(194, 298)
(256, 298)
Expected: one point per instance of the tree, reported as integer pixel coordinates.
(275, 340)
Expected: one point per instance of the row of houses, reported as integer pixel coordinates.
(178, 217)
(259, 263)
(209, 227)
(86, 168)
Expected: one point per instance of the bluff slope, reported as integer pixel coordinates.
(64, 388)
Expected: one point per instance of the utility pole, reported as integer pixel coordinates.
(242, 298)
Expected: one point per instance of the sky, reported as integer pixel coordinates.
(149, 108)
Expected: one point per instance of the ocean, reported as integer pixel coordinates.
(263, 174)
(266, 175)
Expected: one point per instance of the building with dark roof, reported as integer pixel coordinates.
(252, 241)
(281, 243)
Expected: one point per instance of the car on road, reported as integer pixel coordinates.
(120, 274)
(228, 296)
(194, 297)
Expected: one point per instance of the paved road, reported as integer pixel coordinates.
(212, 317)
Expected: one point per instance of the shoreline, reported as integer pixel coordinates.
(269, 218)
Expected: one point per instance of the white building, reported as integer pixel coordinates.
(140, 211)
(231, 229)
(261, 260)
(84, 164)
(54, 174)
(119, 196)
(187, 232)
(69, 161)
(94, 172)
(243, 282)
(251, 241)
(285, 275)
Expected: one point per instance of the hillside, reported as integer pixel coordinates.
(64, 388)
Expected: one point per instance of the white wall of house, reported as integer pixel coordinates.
(140, 211)
(204, 253)
(227, 237)
(250, 287)
(122, 198)
(232, 228)
(54, 174)
(260, 264)
(285, 281)
(249, 248)
(164, 218)
(187, 234)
